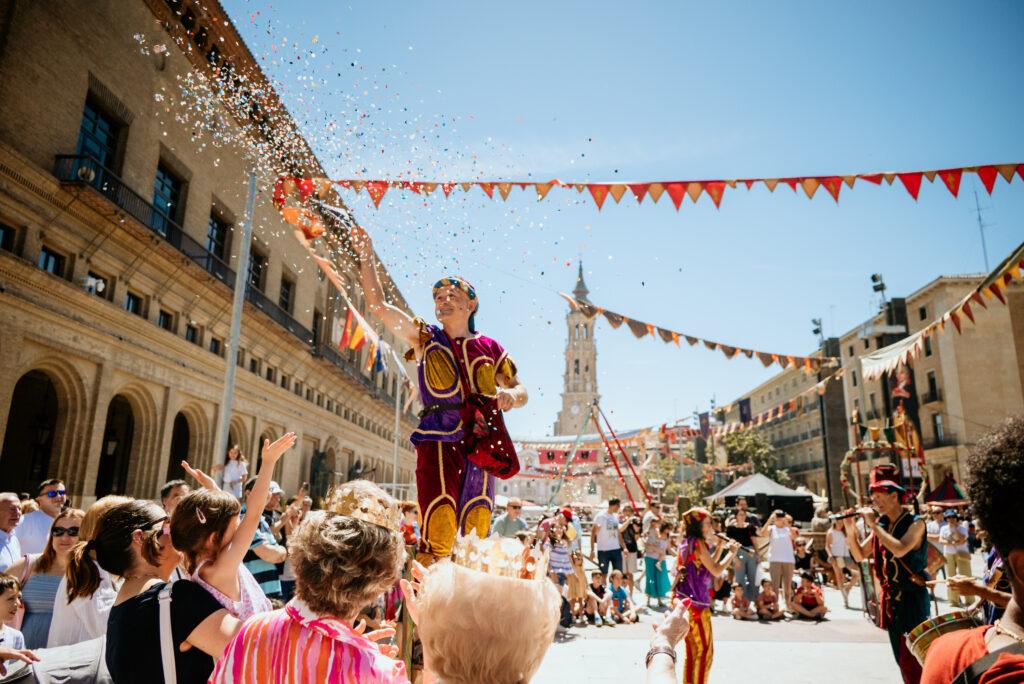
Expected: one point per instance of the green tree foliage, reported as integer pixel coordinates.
(752, 447)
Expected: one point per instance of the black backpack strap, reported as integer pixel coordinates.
(973, 672)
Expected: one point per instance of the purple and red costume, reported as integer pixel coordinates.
(457, 380)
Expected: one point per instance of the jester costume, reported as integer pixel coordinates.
(903, 603)
(694, 581)
(461, 441)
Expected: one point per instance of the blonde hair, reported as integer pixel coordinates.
(460, 609)
(343, 564)
(82, 573)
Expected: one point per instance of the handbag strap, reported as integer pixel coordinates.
(973, 672)
(166, 636)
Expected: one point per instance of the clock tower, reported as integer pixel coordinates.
(580, 382)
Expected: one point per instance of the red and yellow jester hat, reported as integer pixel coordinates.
(467, 287)
(693, 515)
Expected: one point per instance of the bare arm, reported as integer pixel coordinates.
(903, 545)
(716, 565)
(397, 321)
(511, 392)
(271, 553)
(214, 633)
(860, 550)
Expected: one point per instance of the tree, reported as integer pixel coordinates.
(752, 447)
(669, 469)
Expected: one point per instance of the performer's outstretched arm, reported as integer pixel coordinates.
(398, 321)
(860, 550)
(511, 392)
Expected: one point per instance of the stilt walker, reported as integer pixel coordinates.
(696, 569)
(466, 381)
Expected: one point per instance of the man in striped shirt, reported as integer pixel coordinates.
(263, 553)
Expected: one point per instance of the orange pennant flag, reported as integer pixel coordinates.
(655, 190)
(694, 190)
(542, 190)
(675, 338)
(504, 189)
(676, 192)
(951, 177)
(429, 188)
(810, 186)
(849, 180)
(617, 191)
(639, 190)
(889, 177)
(987, 174)
(580, 187)
(1006, 171)
(598, 192)
(770, 183)
(357, 185)
(912, 182)
(930, 175)
(716, 189)
(376, 189)
(487, 188)
(833, 184)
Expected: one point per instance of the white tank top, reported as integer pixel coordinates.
(839, 547)
(781, 548)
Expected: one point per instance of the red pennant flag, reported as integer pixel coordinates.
(676, 191)
(956, 320)
(988, 174)
(749, 184)
(791, 182)
(976, 296)
(1020, 171)
(446, 188)
(966, 308)
(598, 192)
(912, 182)
(994, 289)
(488, 188)
(376, 190)
(639, 190)
(716, 189)
(875, 178)
(306, 188)
(833, 184)
(413, 185)
(951, 177)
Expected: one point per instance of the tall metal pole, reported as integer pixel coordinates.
(398, 426)
(231, 358)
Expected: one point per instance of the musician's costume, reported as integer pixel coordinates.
(461, 441)
(903, 602)
(694, 581)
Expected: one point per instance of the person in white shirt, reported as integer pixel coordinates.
(953, 537)
(236, 471)
(10, 515)
(606, 538)
(34, 531)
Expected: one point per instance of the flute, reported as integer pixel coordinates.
(730, 539)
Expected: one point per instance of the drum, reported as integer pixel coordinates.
(921, 637)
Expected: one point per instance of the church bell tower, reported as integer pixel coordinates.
(579, 389)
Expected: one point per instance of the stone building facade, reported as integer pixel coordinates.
(119, 253)
(579, 390)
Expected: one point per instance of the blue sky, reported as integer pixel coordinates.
(651, 91)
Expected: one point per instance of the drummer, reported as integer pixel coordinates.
(996, 468)
(898, 554)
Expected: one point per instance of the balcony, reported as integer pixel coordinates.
(933, 395)
(85, 170)
(351, 369)
(944, 440)
(277, 314)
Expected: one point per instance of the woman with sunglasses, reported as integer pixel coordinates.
(132, 541)
(40, 576)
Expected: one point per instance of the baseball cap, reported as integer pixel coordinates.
(950, 513)
(275, 488)
(886, 486)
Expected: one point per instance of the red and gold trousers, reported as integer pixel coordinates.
(455, 496)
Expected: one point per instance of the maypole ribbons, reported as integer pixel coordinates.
(810, 364)
(677, 190)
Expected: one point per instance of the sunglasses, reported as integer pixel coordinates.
(515, 507)
(54, 493)
(61, 531)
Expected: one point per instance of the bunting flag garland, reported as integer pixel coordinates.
(676, 190)
(792, 405)
(903, 352)
(809, 364)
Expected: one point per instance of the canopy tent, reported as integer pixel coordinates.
(946, 493)
(765, 495)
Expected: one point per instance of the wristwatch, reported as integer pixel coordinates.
(655, 650)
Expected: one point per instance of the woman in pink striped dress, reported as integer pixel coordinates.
(342, 563)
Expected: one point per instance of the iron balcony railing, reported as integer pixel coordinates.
(931, 396)
(947, 439)
(87, 170)
(277, 314)
(351, 369)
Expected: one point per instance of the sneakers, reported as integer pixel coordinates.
(591, 618)
(598, 621)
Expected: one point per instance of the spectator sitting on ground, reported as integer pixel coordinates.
(768, 602)
(807, 601)
(598, 600)
(171, 493)
(622, 605)
(741, 609)
(34, 530)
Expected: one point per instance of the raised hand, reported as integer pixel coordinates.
(22, 654)
(202, 478)
(273, 451)
(674, 627)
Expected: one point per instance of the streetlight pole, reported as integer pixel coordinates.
(398, 426)
(231, 357)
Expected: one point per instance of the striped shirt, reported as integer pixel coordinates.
(264, 572)
(294, 645)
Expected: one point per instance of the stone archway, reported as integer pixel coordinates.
(31, 428)
(143, 462)
(181, 439)
(119, 441)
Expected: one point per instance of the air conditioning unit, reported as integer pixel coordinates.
(92, 285)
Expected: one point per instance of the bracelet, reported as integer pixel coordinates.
(660, 649)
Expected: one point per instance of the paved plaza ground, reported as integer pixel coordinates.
(845, 649)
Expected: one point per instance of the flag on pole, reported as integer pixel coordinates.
(346, 333)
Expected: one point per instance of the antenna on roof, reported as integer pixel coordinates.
(981, 229)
